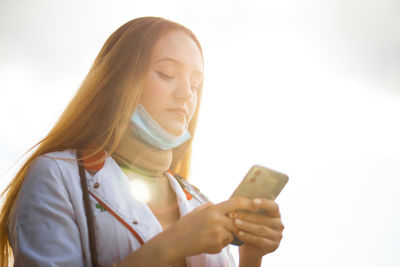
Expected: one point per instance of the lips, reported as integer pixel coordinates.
(181, 111)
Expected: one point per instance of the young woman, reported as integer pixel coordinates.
(130, 124)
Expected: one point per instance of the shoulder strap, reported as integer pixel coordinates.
(88, 211)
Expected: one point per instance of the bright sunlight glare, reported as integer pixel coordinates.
(139, 190)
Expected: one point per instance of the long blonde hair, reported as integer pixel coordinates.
(101, 109)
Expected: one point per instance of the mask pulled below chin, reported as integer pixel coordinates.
(149, 131)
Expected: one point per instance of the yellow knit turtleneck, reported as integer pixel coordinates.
(135, 154)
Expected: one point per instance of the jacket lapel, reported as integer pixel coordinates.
(112, 187)
(181, 199)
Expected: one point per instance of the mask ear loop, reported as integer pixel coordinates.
(88, 210)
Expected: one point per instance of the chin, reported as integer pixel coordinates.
(174, 127)
(175, 130)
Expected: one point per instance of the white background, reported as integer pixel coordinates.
(310, 88)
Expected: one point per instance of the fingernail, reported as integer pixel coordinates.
(238, 222)
(257, 201)
(240, 233)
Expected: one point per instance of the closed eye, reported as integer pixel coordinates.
(165, 76)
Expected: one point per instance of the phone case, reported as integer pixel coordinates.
(260, 182)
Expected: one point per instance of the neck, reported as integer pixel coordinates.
(140, 157)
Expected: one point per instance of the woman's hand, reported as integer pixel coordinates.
(261, 233)
(206, 229)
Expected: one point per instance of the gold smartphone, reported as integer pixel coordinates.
(260, 182)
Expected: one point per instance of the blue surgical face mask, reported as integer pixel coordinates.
(149, 131)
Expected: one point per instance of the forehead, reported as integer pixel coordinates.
(179, 47)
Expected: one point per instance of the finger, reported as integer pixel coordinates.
(258, 230)
(226, 230)
(236, 203)
(222, 240)
(271, 222)
(270, 206)
(228, 239)
(214, 217)
(229, 224)
(264, 243)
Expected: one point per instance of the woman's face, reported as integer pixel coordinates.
(171, 85)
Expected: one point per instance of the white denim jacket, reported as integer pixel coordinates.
(48, 223)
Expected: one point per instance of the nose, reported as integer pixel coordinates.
(184, 89)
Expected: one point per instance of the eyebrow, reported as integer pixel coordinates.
(177, 62)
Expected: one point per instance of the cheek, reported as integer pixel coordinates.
(152, 87)
(154, 93)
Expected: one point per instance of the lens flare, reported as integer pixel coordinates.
(140, 190)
